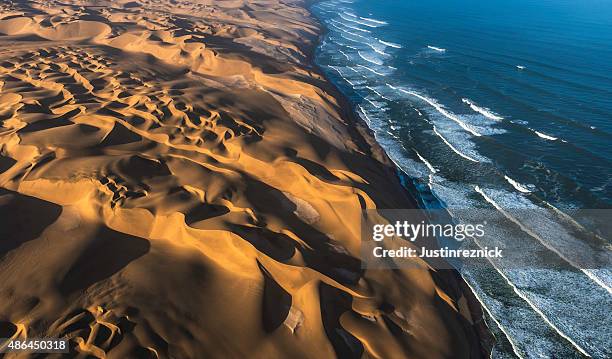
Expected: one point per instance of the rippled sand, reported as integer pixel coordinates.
(176, 180)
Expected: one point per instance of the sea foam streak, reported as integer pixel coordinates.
(523, 296)
(363, 112)
(344, 53)
(371, 70)
(373, 20)
(429, 166)
(378, 51)
(357, 21)
(347, 38)
(373, 103)
(348, 32)
(439, 49)
(499, 325)
(519, 187)
(453, 147)
(390, 44)
(349, 26)
(375, 61)
(378, 93)
(545, 136)
(481, 110)
(441, 110)
(341, 75)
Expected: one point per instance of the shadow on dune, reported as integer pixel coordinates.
(276, 302)
(334, 303)
(23, 218)
(107, 254)
(6, 163)
(275, 245)
(341, 267)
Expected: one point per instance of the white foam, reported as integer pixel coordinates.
(520, 294)
(392, 135)
(443, 111)
(374, 90)
(519, 187)
(551, 233)
(363, 112)
(431, 168)
(348, 32)
(350, 26)
(373, 60)
(520, 67)
(499, 325)
(343, 53)
(341, 75)
(483, 111)
(373, 20)
(545, 136)
(339, 28)
(390, 44)
(358, 22)
(452, 147)
(377, 50)
(356, 28)
(438, 49)
(371, 70)
(373, 103)
(348, 38)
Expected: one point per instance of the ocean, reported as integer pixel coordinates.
(505, 106)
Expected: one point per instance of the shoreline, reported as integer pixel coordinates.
(487, 339)
(200, 180)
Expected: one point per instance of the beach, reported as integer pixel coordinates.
(178, 179)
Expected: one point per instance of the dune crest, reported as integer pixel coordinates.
(178, 180)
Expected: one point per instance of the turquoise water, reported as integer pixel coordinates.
(496, 104)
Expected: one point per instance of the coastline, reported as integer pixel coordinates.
(381, 57)
(486, 338)
(303, 184)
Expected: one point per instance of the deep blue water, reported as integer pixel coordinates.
(500, 104)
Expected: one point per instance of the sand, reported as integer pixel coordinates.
(178, 180)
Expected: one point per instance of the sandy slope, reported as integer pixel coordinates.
(177, 181)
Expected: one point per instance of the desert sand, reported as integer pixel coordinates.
(178, 180)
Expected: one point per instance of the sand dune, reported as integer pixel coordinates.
(177, 180)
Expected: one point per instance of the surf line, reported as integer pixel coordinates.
(483, 111)
(586, 272)
(589, 272)
(429, 166)
(440, 109)
(452, 147)
(523, 296)
(501, 327)
(519, 187)
(363, 112)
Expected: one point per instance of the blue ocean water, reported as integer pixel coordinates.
(498, 104)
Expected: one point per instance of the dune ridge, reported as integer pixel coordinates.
(178, 180)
